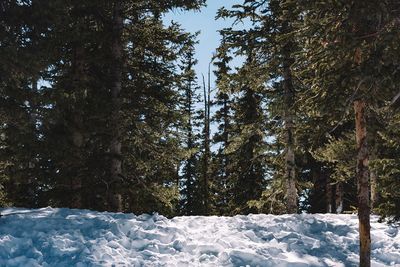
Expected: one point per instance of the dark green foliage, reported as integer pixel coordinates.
(387, 168)
(240, 158)
(269, 49)
(221, 167)
(190, 182)
(349, 54)
(100, 107)
(246, 152)
(55, 148)
(22, 59)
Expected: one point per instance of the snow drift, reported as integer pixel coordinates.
(64, 237)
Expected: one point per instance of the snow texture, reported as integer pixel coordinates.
(64, 237)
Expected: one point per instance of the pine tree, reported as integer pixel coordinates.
(387, 166)
(221, 166)
(274, 48)
(285, 18)
(106, 103)
(347, 53)
(22, 34)
(247, 141)
(190, 180)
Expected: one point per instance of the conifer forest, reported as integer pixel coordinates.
(101, 108)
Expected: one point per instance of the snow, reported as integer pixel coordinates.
(64, 237)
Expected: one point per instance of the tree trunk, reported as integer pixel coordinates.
(374, 181)
(76, 182)
(328, 195)
(207, 194)
(115, 199)
(76, 120)
(318, 191)
(226, 172)
(339, 198)
(363, 183)
(290, 170)
(291, 191)
(374, 190)
(206, 143)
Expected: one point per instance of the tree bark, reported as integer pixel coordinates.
(374, 190)
(76, 120)
(363, 183)
(374, 181)
(339, 198)
(290, 165)
(115, 199)
(328, 195)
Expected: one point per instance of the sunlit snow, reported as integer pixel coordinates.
(64, 237)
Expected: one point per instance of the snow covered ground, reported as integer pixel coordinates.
(63, 237)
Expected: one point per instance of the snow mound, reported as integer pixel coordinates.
(64, 237)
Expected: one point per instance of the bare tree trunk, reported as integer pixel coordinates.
(363, 184)
(115, 199)
(206, 142)
(207, 194)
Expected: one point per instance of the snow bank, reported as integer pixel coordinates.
(63, 237)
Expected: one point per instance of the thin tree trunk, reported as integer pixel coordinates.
(76, 129)
(207, 194)
(372, 174)
(374, 183)
(374, 190)
(115, 199)
(290, 165)
(328, 195)
(206, 146)
(339, 198)
(363, 184)
(226, 172)
(76, 182)
(319, 185)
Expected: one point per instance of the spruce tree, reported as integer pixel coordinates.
(222, 168)
(274, 50)
(206, 144)
(103, 113)
(350, 49)
(246, 140)
(190, 180)
(23, 59)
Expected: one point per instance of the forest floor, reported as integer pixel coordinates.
(64, 237)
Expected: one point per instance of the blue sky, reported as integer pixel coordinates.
(203, 21)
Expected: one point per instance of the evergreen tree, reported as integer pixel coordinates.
(206, 144)
(106, 106)
(246, 143)
(386, 165)
(190, 180)
(274, 50)
(350, 52)
(286, 17)
(22, 42)
(221, 166)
